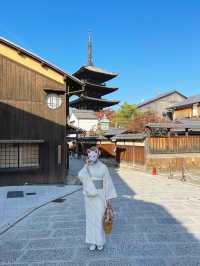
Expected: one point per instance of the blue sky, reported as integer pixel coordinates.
(153, 45)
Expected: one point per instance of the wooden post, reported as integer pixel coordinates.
(170, 171)
(183, 177)
(168, 132)
(67, 156)
(59, 154)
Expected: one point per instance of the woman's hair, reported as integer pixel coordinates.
(94, 148)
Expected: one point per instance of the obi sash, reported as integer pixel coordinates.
(98, 184)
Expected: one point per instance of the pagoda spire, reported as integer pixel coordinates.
(89, 49)
(94, 79)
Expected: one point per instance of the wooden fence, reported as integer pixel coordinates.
(131, 154)
(107, 150)
(123, 153)
(174, 144)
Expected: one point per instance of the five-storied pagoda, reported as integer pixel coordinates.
(95, 87)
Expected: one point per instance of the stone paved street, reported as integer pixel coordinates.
(157, 223)
(12, 209)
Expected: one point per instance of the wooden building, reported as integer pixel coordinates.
(161, 102)
(174, 145)
(126, 149)
(130, 149)
(188, 108)
(164, 146)
(33, 116)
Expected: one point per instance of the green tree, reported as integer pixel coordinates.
(124, 114)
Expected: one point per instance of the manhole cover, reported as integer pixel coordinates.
(30, 193)
(59, 200)
(15, 194)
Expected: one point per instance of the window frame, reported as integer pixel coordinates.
(51, 97)
(195, 109)
(25, 168)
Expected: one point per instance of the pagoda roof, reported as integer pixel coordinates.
(98, 88)
(94, 73)
(101, 89)
(93, 103)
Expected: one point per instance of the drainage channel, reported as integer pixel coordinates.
(19, 194)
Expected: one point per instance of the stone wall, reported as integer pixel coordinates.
(177, 162)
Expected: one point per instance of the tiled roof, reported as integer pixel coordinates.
(96, 70)
(100, 88)
(180, 124)
(190, 100)
(164, 125)
(75, 129)
(100, 70)
(85, 114)
(38, 58)
(83, 97)
(129, 136)
(159, 96)
(190, 123)
(88, 138)
(115, 131)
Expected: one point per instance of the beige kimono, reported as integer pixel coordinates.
(95, 206)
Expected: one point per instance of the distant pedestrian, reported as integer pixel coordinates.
(98, 190)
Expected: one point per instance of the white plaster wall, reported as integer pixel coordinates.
(88, 124)
(73, 120)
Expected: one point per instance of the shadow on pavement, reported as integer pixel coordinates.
(144, 234)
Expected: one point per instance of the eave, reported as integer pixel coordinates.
(94, 73)
(38, 64)
(100, 103)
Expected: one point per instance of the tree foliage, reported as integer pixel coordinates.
(140, 119)
(109, 113)
(124, 115)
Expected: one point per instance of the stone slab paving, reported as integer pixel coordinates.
(13, 208)
(157, 224)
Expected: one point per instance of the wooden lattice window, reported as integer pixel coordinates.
(19, 155)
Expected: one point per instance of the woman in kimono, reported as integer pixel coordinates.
(97, 172)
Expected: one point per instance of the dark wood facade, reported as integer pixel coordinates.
(107, 149)
(166, 153)
(186, 112)
(123, 151)
(25, 119)
(173, 153)
(131, 154)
